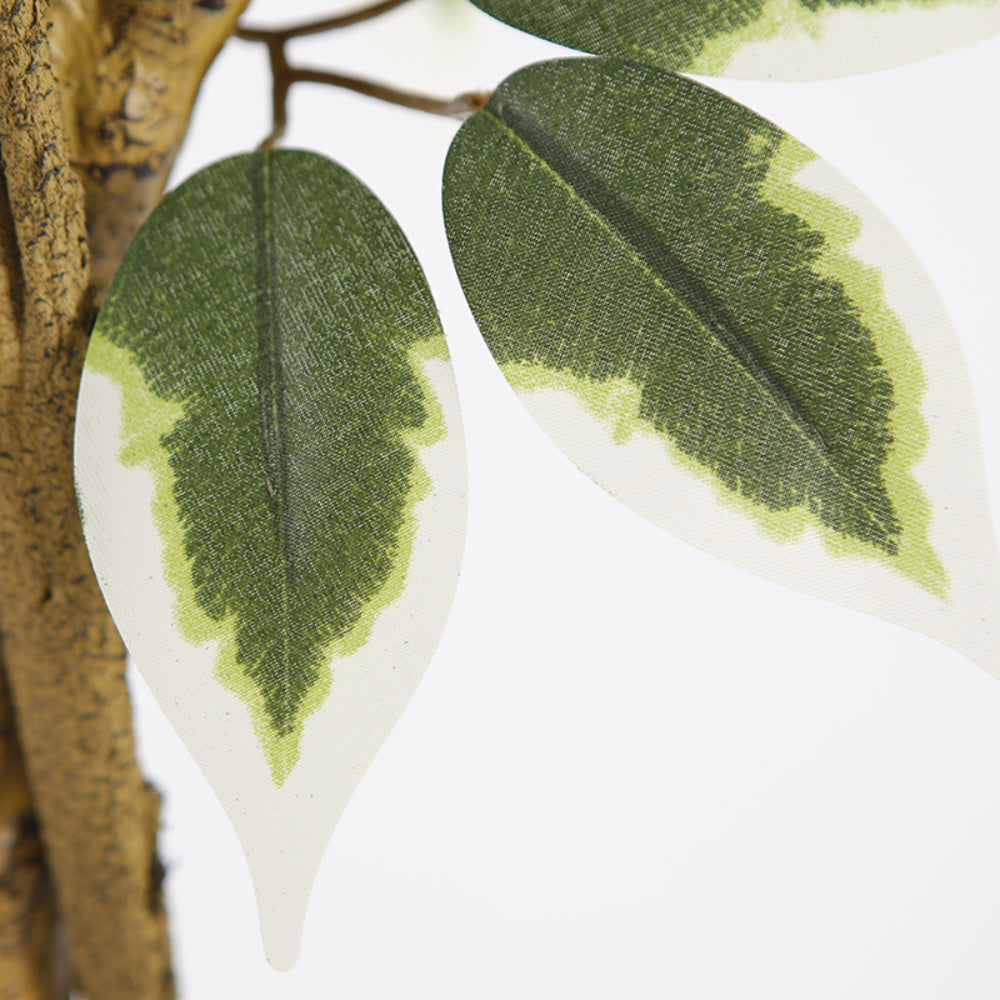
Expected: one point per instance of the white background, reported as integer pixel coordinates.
(631, 771)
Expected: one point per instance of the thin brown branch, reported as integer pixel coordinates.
(280, 85)
(456, 107)
(282, 35)
(283, 74)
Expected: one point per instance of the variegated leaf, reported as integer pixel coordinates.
(719, 328)
(757, 39)
(271, 475)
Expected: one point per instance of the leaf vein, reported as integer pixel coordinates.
(271, 394)
(669, 272)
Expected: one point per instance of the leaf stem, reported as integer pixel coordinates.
(266, 35)
(457, 107)
(283, 74)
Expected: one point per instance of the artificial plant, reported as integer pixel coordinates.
(122, 185)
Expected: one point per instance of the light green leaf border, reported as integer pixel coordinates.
(778, 19)
(616, 402)
(146, 419)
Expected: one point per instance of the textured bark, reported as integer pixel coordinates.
(130, 71)
(63, 658)
(33, 960)
(127, 74)
(34, 963)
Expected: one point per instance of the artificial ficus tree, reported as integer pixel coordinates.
(613, 212)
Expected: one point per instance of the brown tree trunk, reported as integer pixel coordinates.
(33, 958)
(106, 89)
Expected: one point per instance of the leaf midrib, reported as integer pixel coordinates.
(669, 272)
(271, 390)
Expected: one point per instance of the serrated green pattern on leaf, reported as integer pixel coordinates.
(268, 331)
(613, 224)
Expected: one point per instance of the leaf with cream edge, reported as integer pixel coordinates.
(719, 329)
(271, 474)
(757, 39)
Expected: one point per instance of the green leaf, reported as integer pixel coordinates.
(757, 39)
(674, 286)
(270, 360)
